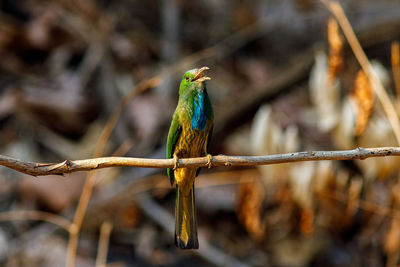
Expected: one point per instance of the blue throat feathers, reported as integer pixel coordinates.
(199, 119)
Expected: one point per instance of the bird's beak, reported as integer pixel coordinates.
(200, 75)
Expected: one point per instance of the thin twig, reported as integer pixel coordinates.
(68, 166)
(337, 11)
(105, 232)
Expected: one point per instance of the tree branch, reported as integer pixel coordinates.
(68, 166)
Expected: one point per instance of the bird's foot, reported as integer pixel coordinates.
(176, 162)
(209, 162)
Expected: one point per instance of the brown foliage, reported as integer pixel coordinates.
(335, 49)
(249, 201)
(364, 98)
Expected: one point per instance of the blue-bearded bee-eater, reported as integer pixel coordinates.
(189, 136)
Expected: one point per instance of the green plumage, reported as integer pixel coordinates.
(189, 136)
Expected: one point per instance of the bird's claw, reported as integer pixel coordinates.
(176, 163)
(209, 162)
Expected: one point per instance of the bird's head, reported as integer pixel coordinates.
(194, 80)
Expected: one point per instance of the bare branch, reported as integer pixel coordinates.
(68, 166)
(102, 250)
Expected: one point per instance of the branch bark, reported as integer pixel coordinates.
(68, 166)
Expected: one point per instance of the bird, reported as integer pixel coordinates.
(189, 136)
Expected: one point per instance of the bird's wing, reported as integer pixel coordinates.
(173, 136)
(209, 138)
(207, 146)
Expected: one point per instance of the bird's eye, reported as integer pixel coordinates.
(187, 78)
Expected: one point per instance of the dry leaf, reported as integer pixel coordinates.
(395, 53)
(250, 199)
(324, 94)
(301, 178)
(381, 72)
(396, 66)
(392, 238)
(291, 139)
(261, 129)
(343, 136)
(335, 49)
(364, 99)
(307, 221)
(267, 137)
(378, 133)
(324, 176)
(264, 139)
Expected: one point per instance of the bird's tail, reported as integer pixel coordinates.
(185, 221)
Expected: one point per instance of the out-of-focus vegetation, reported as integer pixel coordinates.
(283, 79)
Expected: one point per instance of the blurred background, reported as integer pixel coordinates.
(283, 79)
